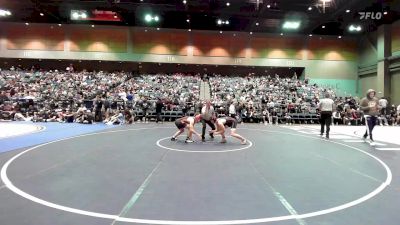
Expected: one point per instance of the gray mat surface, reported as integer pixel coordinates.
(123, 172)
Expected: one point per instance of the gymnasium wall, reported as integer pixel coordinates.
(342, 87)
(395, 90)
(21, 37)
(365, 83)
(323, 59)
(394, 66)
(395, 81)
(113, 39)
(368, 50)
(368, 60)
(395, 38)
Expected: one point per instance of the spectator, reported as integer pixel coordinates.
(383, 104)
(159, 107)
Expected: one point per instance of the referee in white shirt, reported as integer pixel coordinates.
(207, 117)
(326, 107)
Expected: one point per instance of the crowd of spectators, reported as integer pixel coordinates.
(120, 97)
(88, 97)
(272, 100)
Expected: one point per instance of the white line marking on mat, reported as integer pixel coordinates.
(203, 151)
(278, 195)
(338, 136)
(349, 168)
(139, 191)
(379, 144)
(16, 190)
(388, 149)
(289, 207)
(354, 141)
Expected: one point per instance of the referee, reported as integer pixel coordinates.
(326, 107)
(207, 115)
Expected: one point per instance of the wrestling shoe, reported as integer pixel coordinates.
(223, 141)
(173, 139)
(243, 142)
(189, 141)
(372, 142)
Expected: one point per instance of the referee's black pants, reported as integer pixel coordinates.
(203, 131)
(326, 119)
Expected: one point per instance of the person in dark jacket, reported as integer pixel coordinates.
(159, 107)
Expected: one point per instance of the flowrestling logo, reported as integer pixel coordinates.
(370, 15)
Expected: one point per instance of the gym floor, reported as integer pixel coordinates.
(285, 175)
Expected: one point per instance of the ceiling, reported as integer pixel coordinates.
(265, 16)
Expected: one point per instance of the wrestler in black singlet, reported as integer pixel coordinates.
(180, 124)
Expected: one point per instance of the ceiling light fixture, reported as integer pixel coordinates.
(228, 4)
(355, 28)
(41, 14)
(309, 8)
(4, 13)
(78, 14)
(149, 18)
(75, 15)
(348, 10)
(221, 22)
(291, 25)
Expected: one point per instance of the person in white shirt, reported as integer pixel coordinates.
(232, 110)
(337, 117)
(326, 107)
(398, 115)
(383, 104)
